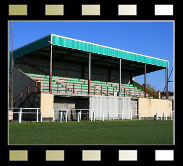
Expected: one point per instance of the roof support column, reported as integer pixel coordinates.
(131, 78)
(166, 82)
(89, 73)
(145, 80)
(50, 77)
(119, 76)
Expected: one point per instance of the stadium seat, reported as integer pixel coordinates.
(78, 86)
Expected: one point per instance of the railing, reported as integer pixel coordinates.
(20, 115)
(25, 92)
(31, 88)
(163, 95)
(66, 115)
(157, 115)
(61, 115)
(149, 92)
(82, 89)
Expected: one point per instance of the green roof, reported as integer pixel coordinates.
(87, 47)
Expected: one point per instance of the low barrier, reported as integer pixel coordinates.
(65, 115)
(24, 114)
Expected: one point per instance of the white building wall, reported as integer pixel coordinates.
(110, 107)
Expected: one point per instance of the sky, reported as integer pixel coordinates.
(154, 39)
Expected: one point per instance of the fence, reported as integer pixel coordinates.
(89, 115)
(26, 114)
(61, 115)
(158, 115)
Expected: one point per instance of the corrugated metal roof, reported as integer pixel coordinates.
(88, 47)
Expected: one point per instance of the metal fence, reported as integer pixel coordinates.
(89, 115)
(26, 114)
(65, 115)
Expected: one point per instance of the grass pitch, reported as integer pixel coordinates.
(98, 132)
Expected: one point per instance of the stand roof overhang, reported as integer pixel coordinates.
(76, 51)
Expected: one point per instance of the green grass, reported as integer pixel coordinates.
(107, 132)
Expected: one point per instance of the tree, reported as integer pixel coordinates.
(150, 87)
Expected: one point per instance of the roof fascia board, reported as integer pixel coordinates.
(40, 43)
(113, 49)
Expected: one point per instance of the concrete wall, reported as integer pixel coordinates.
(134, 107)
(110, 106)
(31, 101)
(46, 106)
(20, 81)
(149, 107)
(69, 104)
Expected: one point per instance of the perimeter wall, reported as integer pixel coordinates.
(149, 107)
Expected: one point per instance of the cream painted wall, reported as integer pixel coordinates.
(149, 107)
(47, 105)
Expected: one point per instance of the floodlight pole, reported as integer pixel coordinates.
(12, 67)
(120, 76)
(50, 78)
(89, 73)
(145, 70)
(166, 81)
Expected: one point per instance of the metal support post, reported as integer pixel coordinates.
(66, 87)
(120, 76)
(41, 119)
(53, 115)
(165, 116)
(94, 116)
(80, 115)
(166, 82)
(37, 115)
(139, 116)
(131, 78)
(20, 116)
(35, 87)
(50, 78)
(27, 90)
(73, 89)
(66, 116)
(60, 116)
(91, 115)
(145, 80)
(89, 73)
(21, 95)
